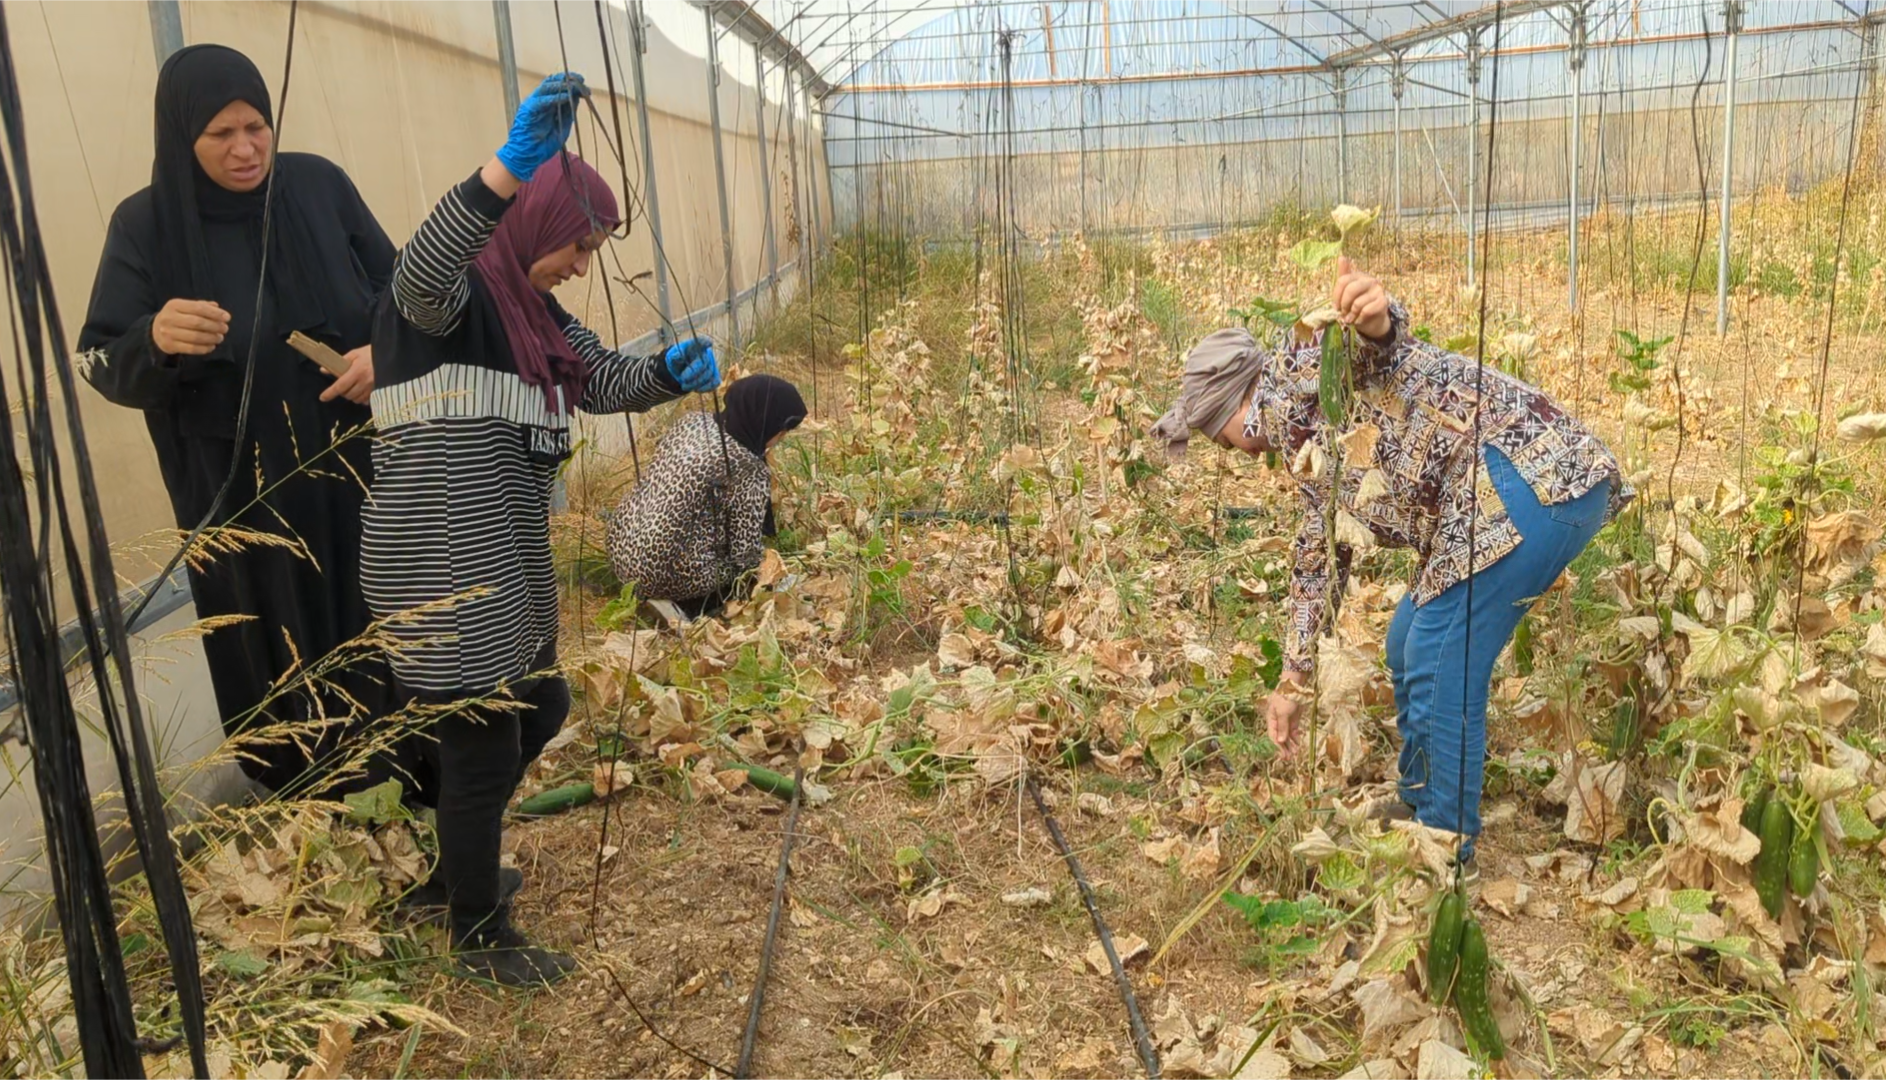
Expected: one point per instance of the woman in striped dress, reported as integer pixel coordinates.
(478, 370)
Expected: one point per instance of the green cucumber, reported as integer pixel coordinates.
(1804, 863)
(1470, 993)
(1444, 946)
(768, 781)
(1771, 865)
(557, 800)
(1752, 810)
(1333, 389)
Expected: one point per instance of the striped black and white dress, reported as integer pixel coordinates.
(455, 548)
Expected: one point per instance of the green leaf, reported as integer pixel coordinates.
(1625, 384)
(377, 805)
(1273, 667)
(1692, 901)
(243, 964)
(1282, 314)
(1854, 822)
(1658, 922)
(1251, 907)
(1164, 746)
(377, 992)
(1315, 254)
(618, 612)
(1301, 945)
(1279, 913)
(132, 944)
(907, 856)
(1339, 873)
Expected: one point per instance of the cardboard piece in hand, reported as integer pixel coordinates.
(334, 362)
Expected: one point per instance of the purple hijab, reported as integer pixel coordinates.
(565, 202)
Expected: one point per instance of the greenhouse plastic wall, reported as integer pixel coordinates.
(409, 98)
(1168, 115)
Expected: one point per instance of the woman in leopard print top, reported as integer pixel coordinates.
(694, 524)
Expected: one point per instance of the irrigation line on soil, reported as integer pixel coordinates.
(623, 993)
(984, 517)
(1142, 1039)
(758, 1002)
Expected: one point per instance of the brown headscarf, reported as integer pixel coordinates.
(1218, 375)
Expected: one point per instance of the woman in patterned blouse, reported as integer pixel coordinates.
(1488, 480)
(695, 524)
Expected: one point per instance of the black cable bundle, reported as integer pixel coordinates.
(32, 517)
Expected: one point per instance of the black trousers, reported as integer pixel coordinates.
(480, 756)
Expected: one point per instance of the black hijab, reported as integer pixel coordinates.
(195, 84)
(759, 407)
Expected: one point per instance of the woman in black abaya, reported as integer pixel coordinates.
(171, 330)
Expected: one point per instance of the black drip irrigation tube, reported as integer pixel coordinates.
(972, 517)
(987, 517)
(757, 1003)
(1142, 1039)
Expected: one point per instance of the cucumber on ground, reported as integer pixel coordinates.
(1444, 946)
(1804, 863)
(1771, 865)
(558, 799)
(1470, 993)
(768, 781)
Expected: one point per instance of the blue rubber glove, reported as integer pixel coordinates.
(542, 124)
(691, 362)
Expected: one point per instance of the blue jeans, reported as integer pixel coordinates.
(1441, 653)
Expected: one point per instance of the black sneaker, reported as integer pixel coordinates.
(427, 899)
(503, 956)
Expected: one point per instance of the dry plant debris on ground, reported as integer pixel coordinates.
(1102, 620)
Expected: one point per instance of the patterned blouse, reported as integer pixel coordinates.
(695, 521)
(1407, 450)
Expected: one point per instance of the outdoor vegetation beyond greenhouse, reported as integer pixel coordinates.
(976, 777)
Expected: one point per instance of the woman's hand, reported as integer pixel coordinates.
(189, 327)
(1282, 710)
(1361, 301)
(692, 364)
(356, 384)
(542, 124)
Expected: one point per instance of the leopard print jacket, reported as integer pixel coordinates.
(692, 525)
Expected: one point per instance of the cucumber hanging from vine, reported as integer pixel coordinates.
(1470, 993)
(1752, 810)
(1334, 389)
(1771, 865)
(1444, 946)
(1804, 862)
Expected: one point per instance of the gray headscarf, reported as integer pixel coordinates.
(1218, 375)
